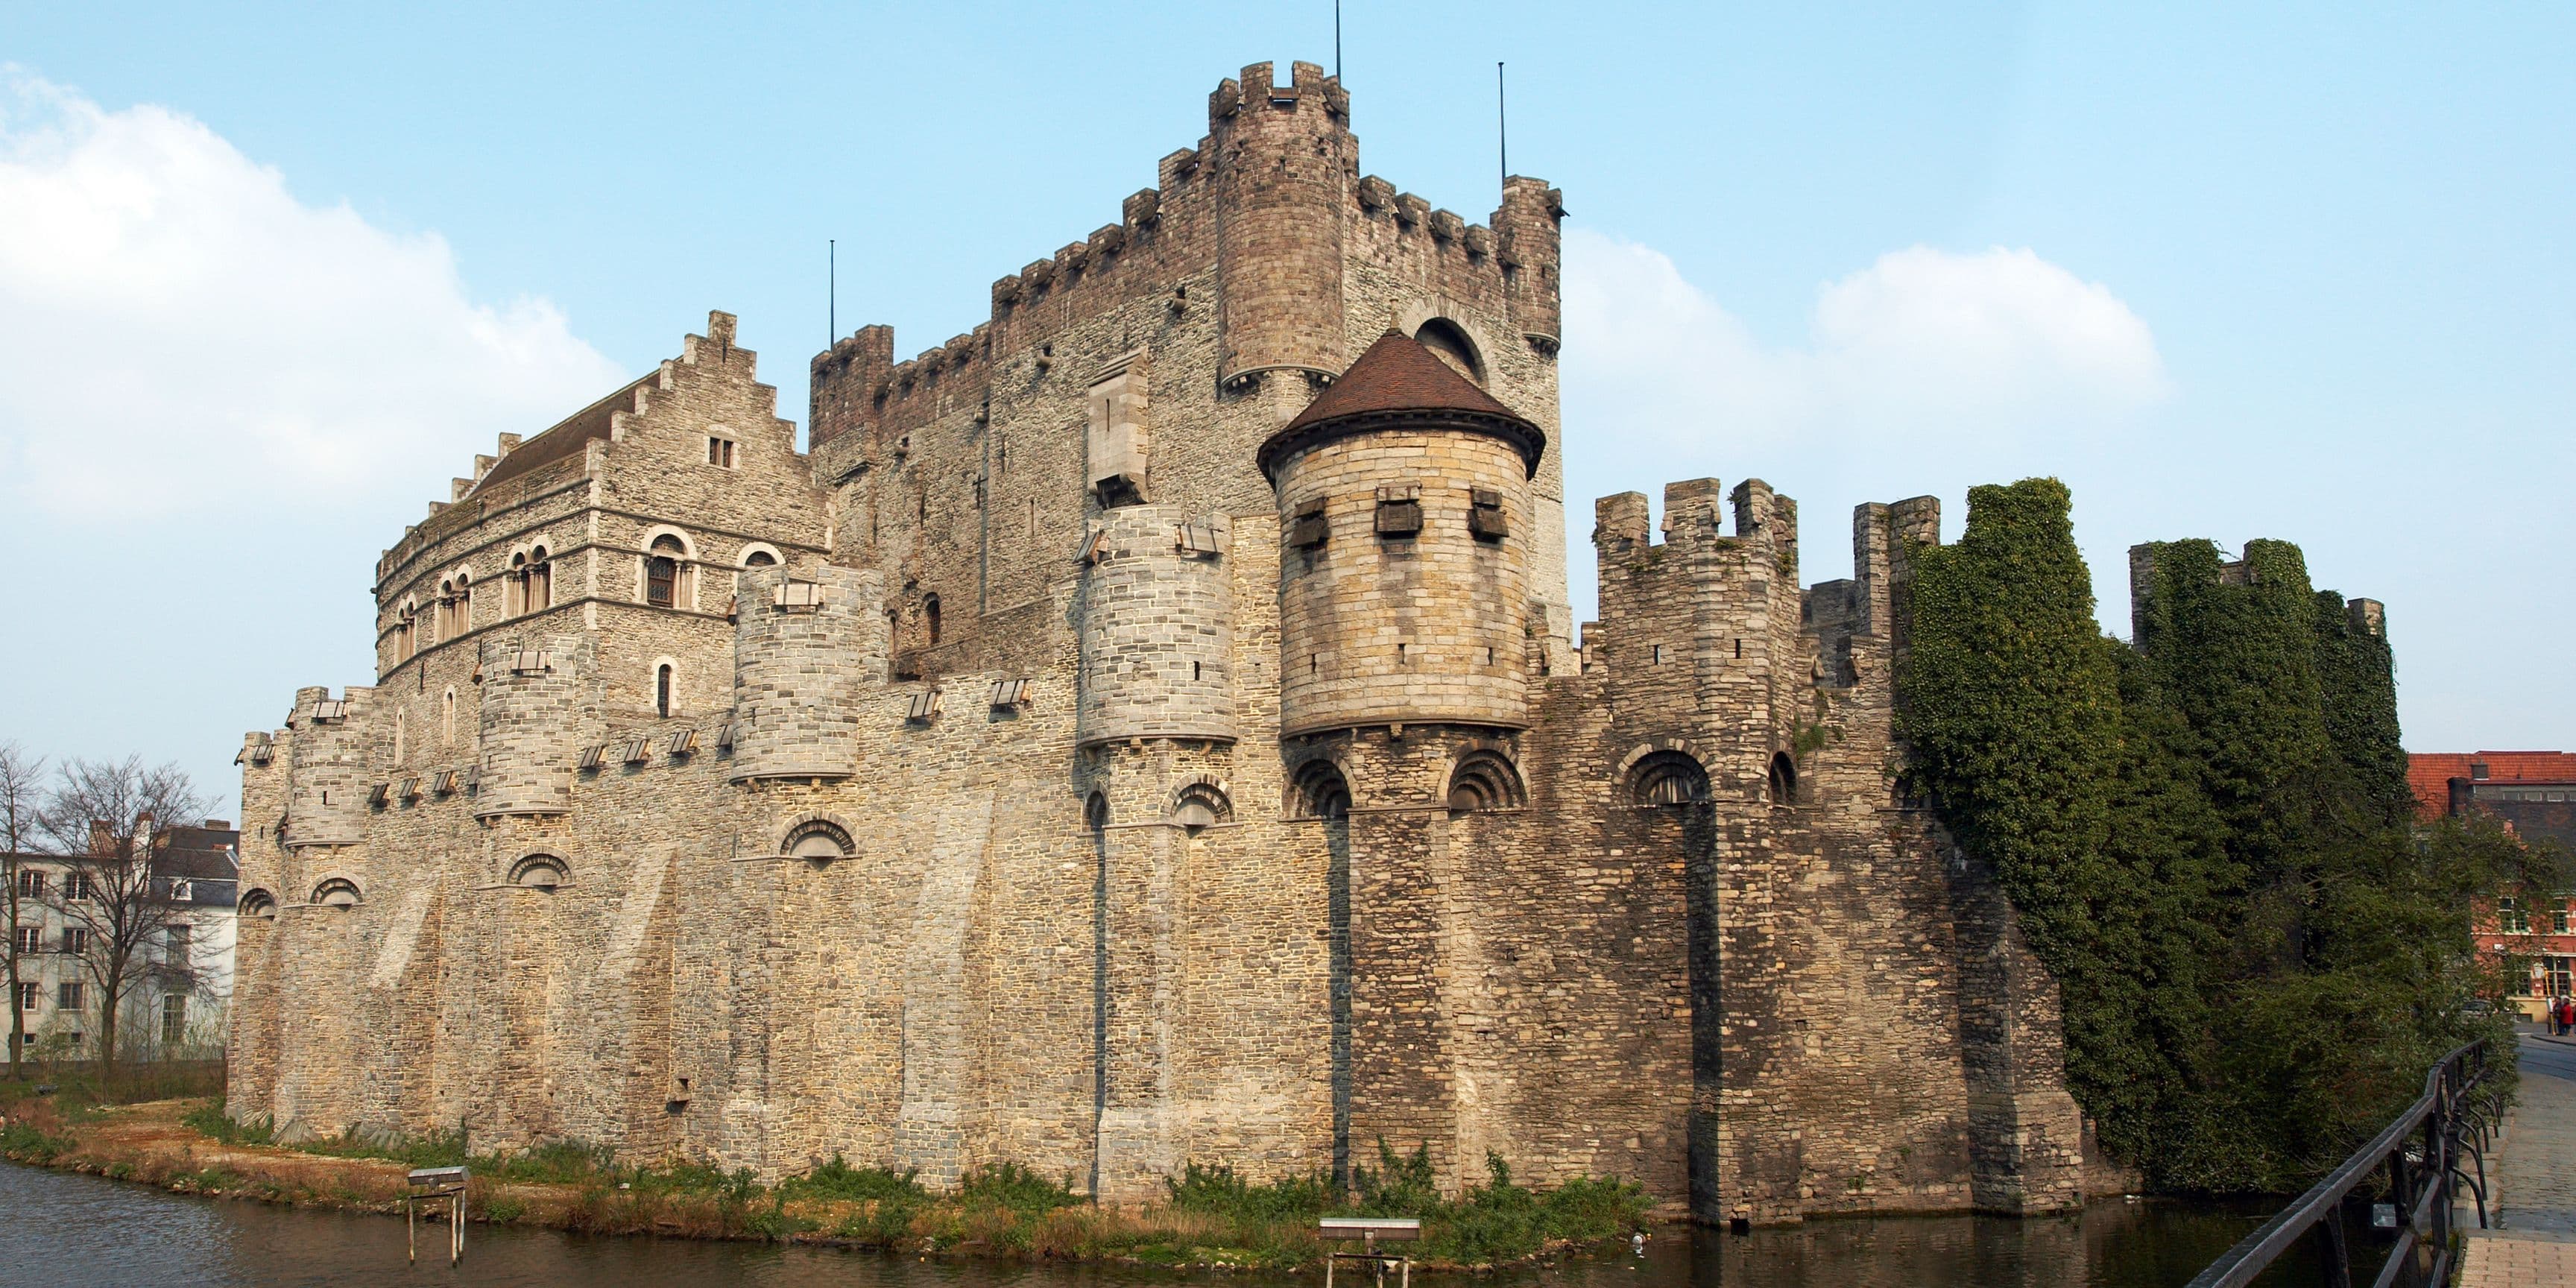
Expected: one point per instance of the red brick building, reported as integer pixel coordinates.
(2533, 793)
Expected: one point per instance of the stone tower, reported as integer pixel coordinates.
(1404, 513)
(1285, 165)
(1158, 627)
(804, 650)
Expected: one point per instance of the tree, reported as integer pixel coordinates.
(21, 779)
(98, 821)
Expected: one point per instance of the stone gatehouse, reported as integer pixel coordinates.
(1148, 728)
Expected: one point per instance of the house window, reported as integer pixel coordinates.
(174, 1017)
(69, 995)
(176, 937)
(31, 939)
(2511, 917)
(31, 883)
(662, 572)
(78, 886)
(720, 451)
(29, 995)
(75, 939)
(662, 690)
(2564, 919)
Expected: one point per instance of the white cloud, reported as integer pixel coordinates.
(1981, 349)
(179, 332)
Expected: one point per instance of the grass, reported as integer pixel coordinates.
(1209, 1215)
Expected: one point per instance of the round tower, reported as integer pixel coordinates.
(537, 715)
(1284, 165)
(1157, 627)
(806, 648)
(326, 776)
(1404, 509)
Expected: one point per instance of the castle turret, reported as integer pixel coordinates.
(1158, 627)
(538, 712)
(806, 648)
(1404, 504)
(327, 778)
(1525, 229)
(1285, 163)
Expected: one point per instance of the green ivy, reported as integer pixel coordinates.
(2206, 835)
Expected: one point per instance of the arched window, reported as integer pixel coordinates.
(662, 690)
(464, 602)
(1202, 804)
(662, 572)
(1668, 778)
(447, 718)
(338, 892)
(402, 727)
(407, 632)
(538, 872)
(1451, 345)
(259, 904)
(540, 591)
(819, 842)
(1483, 781)
(759, 559)
(930, 616)
(514, 594)
(1095, 811)
(1784, 779)
(443, 613)
(1320, 791)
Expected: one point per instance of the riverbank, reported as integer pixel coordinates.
(1209, 1219)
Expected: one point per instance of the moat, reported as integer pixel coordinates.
(143, 1238)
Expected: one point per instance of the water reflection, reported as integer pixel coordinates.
(80, 1230)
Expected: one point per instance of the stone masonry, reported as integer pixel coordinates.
(1147, 729)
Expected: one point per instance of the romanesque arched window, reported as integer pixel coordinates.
(540, 590)
(258, 904)
(662, 690)
(407, 631)
(930, 616)
(1668, 778)
(759, 559)
(662, 572)
(538, 872)
(337, 892)
(1784, 779)
(1483, 781)
(514, 591)
(1450, 344)
(819, 841)
(1320, 791)
(1202, 803)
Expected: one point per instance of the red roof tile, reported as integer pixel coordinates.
(1394, 377)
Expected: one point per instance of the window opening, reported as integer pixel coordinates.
(541, 580)
(720, 452)
(930, 615)
(174, 1017)
(1668, 778)
(1320, 791)
(662, 691)
(1483, 781)
(1784, 779)
(662, 573)
(759, 559)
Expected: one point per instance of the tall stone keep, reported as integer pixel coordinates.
(1404, 509)
(1285, 162)
(536, 717)
(327, 775)
(1158, 627)
(805, 646)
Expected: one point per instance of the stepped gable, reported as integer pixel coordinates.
(565, 439)
(1399, 379)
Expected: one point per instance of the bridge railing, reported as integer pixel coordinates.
(2423, 1155)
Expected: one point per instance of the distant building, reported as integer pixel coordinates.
(195, 869)
(2533, 793)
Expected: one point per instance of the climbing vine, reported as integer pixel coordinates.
(2206, 835)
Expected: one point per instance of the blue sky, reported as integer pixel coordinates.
(270, 275)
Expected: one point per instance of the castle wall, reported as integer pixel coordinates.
(1016, 854)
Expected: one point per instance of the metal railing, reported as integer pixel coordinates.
(2422, 1153)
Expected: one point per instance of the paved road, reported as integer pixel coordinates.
(2535, 1180)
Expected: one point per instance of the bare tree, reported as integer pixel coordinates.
(21, 798)
(98, 821)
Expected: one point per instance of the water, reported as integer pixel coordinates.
(58, 1229)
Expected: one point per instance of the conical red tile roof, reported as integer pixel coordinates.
(1397, 377)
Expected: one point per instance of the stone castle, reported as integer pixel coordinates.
(1147, 729)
